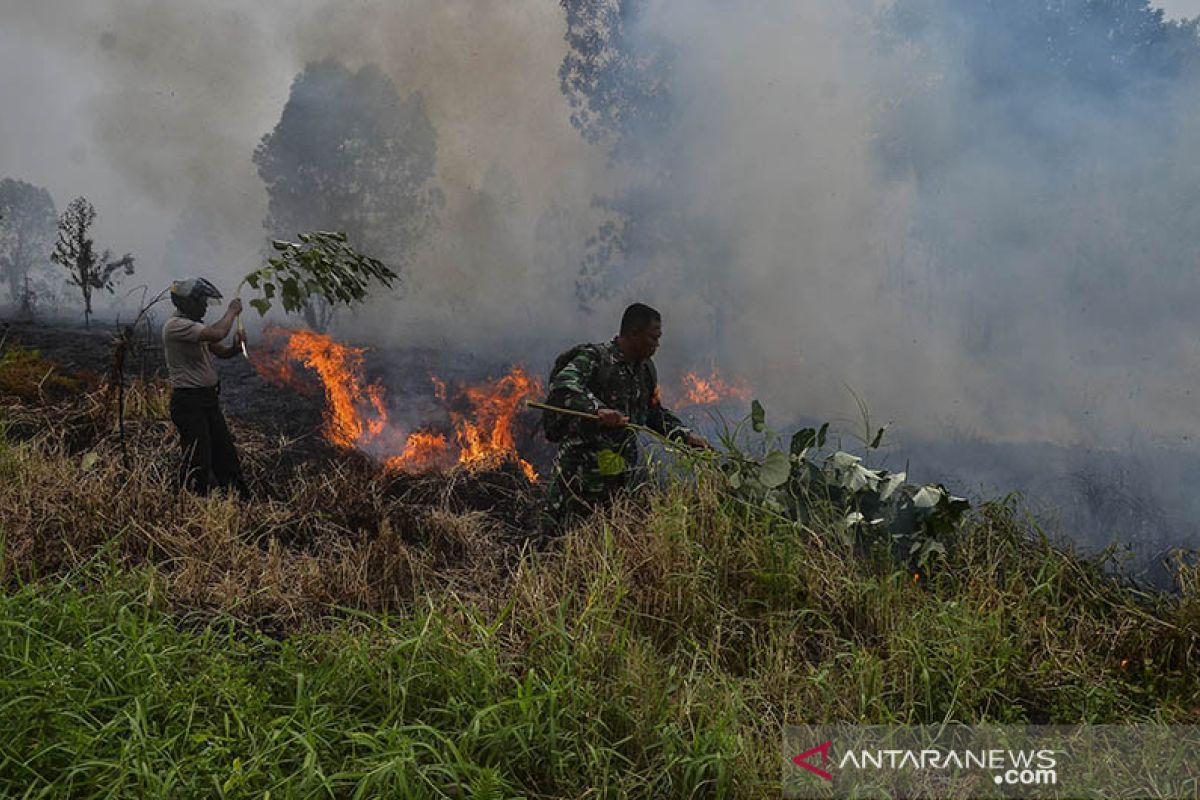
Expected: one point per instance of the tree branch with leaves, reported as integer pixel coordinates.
(75, 250)
(321, 265)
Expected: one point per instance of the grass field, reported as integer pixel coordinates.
(348, 639)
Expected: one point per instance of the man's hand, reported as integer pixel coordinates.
(611, 418)
(698, 442)
(235, 306)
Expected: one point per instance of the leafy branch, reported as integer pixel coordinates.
(321, 264)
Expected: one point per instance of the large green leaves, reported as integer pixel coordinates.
(775, 469)
(870, 504)
(321, 264)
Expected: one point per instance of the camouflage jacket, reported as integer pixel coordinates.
(601, 377)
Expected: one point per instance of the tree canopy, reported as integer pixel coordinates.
(28, 222)
(349, 154)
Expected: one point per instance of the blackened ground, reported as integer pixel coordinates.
(282, 410)
(244, 394)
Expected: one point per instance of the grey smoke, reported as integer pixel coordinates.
(1016, 268)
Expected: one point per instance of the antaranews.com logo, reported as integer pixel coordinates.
(1027, 762)
(986, 761)
(1007, 767)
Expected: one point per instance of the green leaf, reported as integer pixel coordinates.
(89, 460)
(891, 484)
(858, 477)
(843, 460)
(927, 497)
(758, 416)
(610, 462)
(821, 435)
(261, 305)
(775, 470)
(802, 440)
(879, 436)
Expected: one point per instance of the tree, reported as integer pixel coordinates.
(27, 225)
(76, 251)
(617, 77)
(617, 83)
(350, 155)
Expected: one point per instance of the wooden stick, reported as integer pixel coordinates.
(570, 412)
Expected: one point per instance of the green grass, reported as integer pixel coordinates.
(651, 660)
(650, 654)
(104, 696)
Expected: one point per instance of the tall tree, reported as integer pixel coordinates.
(28, 222)
(76, 252)
(615, 78)
(349, 154)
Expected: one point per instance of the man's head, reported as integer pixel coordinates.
(641, 328)
(193, 297)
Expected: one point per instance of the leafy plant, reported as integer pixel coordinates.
(870, 506)
(320, 264)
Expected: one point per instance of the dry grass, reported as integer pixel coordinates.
(655, 650)
(328, 532)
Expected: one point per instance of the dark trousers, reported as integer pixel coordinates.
(209, 456)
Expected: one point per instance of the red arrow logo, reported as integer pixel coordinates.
(802, 760)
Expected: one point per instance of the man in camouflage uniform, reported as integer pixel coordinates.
(617, 382)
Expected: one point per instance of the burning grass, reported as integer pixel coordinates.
(479, 417)
(418, 646)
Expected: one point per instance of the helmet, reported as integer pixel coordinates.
(193, 292)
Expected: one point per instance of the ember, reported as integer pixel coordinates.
(356, 415)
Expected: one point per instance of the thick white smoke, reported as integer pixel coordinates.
(954, 289)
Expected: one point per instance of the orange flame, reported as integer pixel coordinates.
(701, 391)
(486, 437)
(356, 412)
(422, 450)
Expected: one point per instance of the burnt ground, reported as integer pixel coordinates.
(267, 410)
(244, 394)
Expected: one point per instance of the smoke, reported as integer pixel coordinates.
(153, 111)
(977, 215)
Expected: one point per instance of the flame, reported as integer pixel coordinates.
(354, 411)
(422, 450)
(485, 437)
(356, 415)
(702, 391)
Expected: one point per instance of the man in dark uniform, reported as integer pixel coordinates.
(209, 455)
(616, 381)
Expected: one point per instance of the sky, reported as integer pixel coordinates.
(1180, 9)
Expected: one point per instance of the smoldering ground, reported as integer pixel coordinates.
(976, 215)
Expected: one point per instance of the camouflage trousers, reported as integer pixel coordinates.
(583, 483)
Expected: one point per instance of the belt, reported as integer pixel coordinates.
(197, 391)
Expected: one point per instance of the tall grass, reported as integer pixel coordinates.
(414, 651)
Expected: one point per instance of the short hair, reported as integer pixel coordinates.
(637, 317)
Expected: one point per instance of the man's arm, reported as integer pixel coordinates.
(662, 420)
(570, 386)
(570, 390)
(220, 329)
(221, 351)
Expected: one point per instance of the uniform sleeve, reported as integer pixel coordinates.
(183, 330)
(570, 385)
(662, 420)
